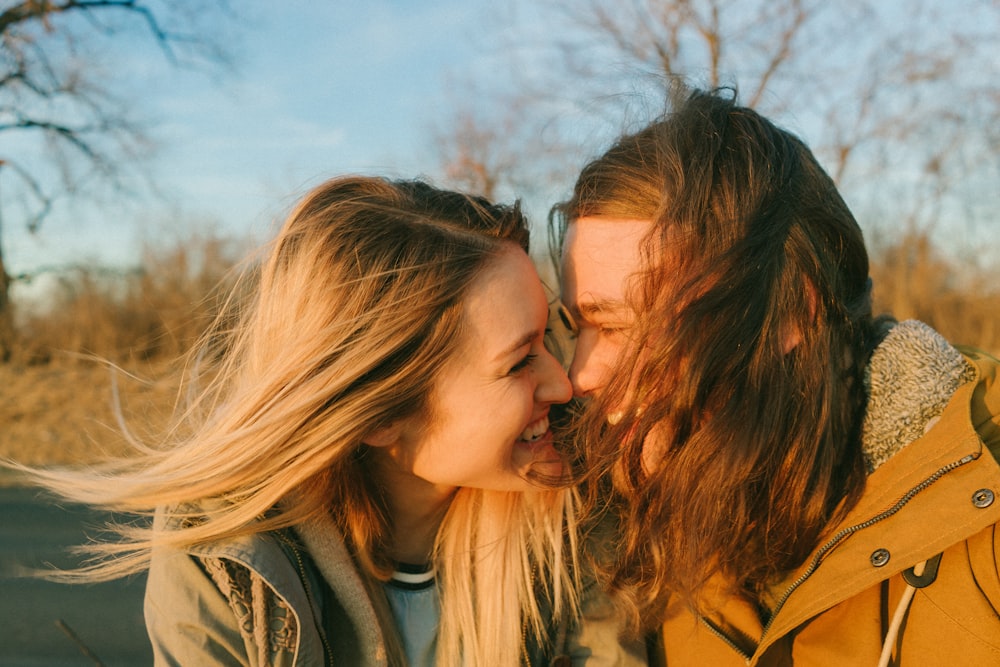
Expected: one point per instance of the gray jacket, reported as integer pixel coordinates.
(260, 600)
(296, 598)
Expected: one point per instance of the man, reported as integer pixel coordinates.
(799, 481)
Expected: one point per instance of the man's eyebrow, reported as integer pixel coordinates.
(591, 306)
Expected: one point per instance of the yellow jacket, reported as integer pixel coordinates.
(936, 495)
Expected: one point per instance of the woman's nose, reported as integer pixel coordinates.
(554, 386)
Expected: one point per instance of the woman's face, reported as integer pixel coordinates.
(489, 410)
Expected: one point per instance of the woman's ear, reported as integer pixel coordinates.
(384, 437)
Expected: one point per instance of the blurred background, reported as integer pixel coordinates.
(146, 146)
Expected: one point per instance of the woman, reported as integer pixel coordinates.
(373, 434)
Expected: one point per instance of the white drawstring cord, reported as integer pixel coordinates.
(898, 616)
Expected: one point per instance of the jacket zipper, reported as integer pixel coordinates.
(309, 595)
(833, 542)
(747, 657)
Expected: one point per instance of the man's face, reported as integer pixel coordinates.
(600, 255)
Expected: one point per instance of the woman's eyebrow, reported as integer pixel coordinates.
(526, 339)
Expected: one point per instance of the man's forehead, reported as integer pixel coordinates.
(599, 255)
(605, 240)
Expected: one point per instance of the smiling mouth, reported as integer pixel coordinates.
(535, 430)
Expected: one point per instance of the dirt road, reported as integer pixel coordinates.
(57, 625)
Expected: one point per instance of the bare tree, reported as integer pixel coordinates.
(69, 132)
(899, 100)
(511, 149)
(593, 64)
(473, 155)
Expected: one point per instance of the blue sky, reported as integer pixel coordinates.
(317, 89)
(325, 88)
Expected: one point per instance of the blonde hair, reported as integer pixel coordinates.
(356, 306)
(515, 541)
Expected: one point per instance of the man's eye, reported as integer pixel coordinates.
(568, 320)
(521, 365)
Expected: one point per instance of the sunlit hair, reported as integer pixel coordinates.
(356, 307)
(754, 448)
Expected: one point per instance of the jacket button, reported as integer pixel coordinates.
(982, 498)
(879, 557)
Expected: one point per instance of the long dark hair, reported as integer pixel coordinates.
(756, 447)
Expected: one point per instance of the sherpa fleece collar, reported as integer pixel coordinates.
(910, 378)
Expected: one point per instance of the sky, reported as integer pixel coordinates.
(315, 90)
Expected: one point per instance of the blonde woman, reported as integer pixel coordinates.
(365, 477)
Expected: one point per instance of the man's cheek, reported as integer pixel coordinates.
(653, 449)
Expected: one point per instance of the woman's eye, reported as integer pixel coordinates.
(521, 365)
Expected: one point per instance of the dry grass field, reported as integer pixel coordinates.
(63, 413)
(56, 400)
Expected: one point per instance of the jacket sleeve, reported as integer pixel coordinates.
(189, 620)
(984, 548)
(596, 639)
(985, 407)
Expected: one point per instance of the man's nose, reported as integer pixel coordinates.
(586, 374)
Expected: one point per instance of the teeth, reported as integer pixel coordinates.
(536, 430)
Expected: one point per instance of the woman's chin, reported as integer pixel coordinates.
(540, 463)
